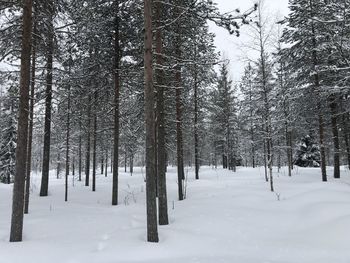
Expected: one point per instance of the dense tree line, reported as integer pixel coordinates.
(105, 84)
(85, 76)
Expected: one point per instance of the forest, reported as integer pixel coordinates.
(94, 92)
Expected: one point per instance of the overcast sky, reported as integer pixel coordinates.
(229, 45)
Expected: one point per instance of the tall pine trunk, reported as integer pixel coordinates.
(152, 229)
(116, 107)
(68, 134)
(48, 101)
(161, 150)
(31, 120)
(94, 146)
(88, 141)
(334, 121)
(178, 95)
(22, 129)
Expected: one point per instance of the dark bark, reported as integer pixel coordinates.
(79, 153)
(67, 142)
(31, 121)
(131, 163)
(106, 163)
(22, 129)
(48, 103)
(152, 229)
(116, 107)
(196, 136)
(179, 142)
(161, 150)
(94, 147)
(88, 140)
(334, 121)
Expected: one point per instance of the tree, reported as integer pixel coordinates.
(302, 30)
(22, 130)
(308, 153)
(49, 9)
(152, 231)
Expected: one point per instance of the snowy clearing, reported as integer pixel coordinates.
(226, 217)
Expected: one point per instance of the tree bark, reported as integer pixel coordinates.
(22, 129)
(88, 138)
(179, 142)
(94, 134)
(162, 191)
(334, 121)
(152, 229)
(31, 121)
(116, 107)
(67, 136)
(48, 103)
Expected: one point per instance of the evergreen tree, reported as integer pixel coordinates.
(307, 153)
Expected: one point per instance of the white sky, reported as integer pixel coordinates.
(229, 45)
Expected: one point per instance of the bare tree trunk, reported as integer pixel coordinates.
(196, 140)
(58, 168)
(48, 103)
(131, 163)
(79, 153)
(106, 163)
(116, 107)
(22, 129)
(162, 190)
(152, 229)
(265, 162)
(179, 142)
(125, 160)
(333, 106)
(31, 121)
(94, 161)
(88, 140)
(102, 163)
(67, 136)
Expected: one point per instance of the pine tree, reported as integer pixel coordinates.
(307, 153)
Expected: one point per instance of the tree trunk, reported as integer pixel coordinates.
(88, 138)
(345, 121)
(106, 163)
(67, 136)
(179, 142)
(94, 161)
(333, 106)
(48, 104)
(125, 160)
(316, 90)
(162, 190)
(152, 229)
(131, 163)
(79, 153)
(22, 129)
(196, 112)
(31, 121)
(116, 107)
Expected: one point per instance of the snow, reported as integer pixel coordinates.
(226, 218)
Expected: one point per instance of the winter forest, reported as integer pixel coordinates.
(127, 136)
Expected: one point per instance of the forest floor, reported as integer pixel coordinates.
(226, 218)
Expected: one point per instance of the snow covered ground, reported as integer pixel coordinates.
(227, 217)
